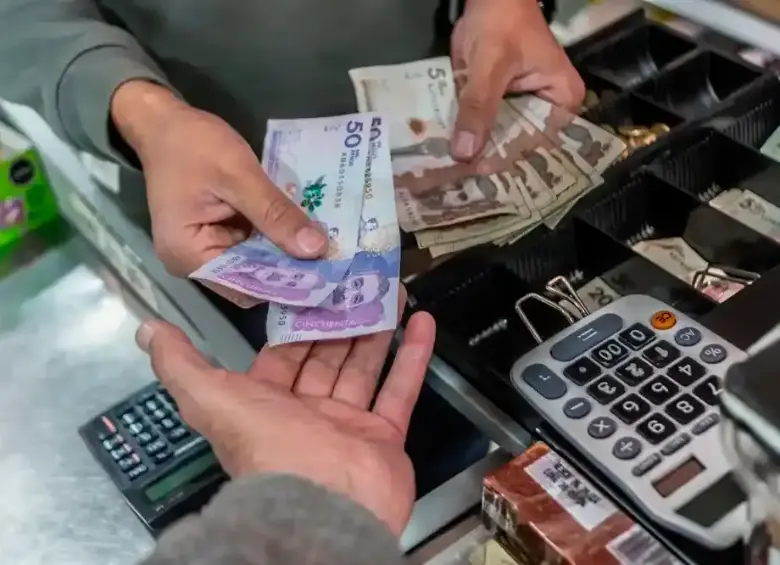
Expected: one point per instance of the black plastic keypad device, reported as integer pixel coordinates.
(638, 400)
(162, 467)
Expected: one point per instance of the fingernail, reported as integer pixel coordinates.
(465, 144)
(144, 335)
(310, 240)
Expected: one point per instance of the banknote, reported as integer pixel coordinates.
(597, 147)
(320, 164)
(366, 299)
(484, 227)
(678, 258)
(519, 140)
(750, 209)
(419, 99)
(771, 147)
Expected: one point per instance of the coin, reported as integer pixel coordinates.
(660, 129)
(591, 99)
(632, 131)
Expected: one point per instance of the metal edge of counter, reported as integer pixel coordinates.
(729, 20)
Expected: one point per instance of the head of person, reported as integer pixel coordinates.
(269, 279)
(356, 302)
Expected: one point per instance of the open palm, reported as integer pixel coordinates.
(309, 410)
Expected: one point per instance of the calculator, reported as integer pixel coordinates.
(162, 467)
(635, 388)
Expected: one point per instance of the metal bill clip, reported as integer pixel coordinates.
(724, 273)
(547, 302)
(561, 287)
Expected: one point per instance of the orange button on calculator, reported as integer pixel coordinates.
(663, 320)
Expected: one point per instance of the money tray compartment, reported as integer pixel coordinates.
(645, 207)
(632, 110)
(599, 267)
(699, 84)
(473, 302)
(705, 162)
(754, 116)
(636, 55)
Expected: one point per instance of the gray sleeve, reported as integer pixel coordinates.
(60, 58)
(278, 520)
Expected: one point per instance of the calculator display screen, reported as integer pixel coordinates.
(678, 477)
(169, 483)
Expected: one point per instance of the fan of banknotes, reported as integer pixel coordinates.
(540, 162)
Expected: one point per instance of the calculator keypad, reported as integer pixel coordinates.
(661, 354)
(659, 390)
(656, 429)
(610, 353)
(606, 389)
(582, 371)
(685, 409)
(151, 423)
(686, 372)
(634, 372)
(656, 385)
(631, 408)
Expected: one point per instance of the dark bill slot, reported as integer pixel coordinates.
(649, 209)
(754, 116)
(698, 85)
(599, 268)
(638, 55)
(643, 201)
(705, 163)
(477, 312)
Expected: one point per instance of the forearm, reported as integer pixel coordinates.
(278, 520)
(62, 60)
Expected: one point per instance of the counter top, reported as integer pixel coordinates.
(67, 350)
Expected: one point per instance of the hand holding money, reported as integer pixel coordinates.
(506, 46)
(538, 162)
(205, 186)
(338, 171)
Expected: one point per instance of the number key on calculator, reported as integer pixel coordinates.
(634, 387)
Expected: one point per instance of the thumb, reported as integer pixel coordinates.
(181, 369)
(276, 216)
(488, 77)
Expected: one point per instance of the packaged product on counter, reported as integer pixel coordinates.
(26, 202)
(545, 508)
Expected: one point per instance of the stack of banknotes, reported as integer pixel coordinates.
(540, 161)
(338, 170)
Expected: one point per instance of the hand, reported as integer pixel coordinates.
(205, 186)
(506, 46)
(305, 410)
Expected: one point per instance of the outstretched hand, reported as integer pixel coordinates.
(309, 410)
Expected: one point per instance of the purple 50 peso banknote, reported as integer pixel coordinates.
(366, 299)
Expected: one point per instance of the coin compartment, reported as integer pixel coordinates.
(699, 84)
(636, 55)
(646, 203)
